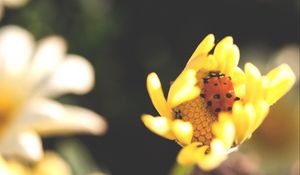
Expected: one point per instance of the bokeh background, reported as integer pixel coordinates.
(126, 40)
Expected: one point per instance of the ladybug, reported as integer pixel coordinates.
(218, 92)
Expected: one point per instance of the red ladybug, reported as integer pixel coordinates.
(218, 92)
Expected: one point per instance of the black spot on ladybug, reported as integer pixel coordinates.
(216, 96)
(225, 83)
(229, 108)
(216, 84)
(209, 103)
(228, 95)
(236, 98)
(217, 110)
(202, 95)
(177, 114)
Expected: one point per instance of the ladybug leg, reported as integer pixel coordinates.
(205, 80)
(229, 108)
(177, 114)
(202, 95)
(236, 98)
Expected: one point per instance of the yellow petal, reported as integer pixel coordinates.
(3, 167)
(238, 79)
(159, 125)
(203, 62)
(239, 122)
(261, 109)
(191, 153)
(221, 51)
(281, 79)
(217, 147)
(216, 156)
(250, 116)
(51, 164)
(157, 96)
(224, 129)
(184, 88)
(232, 59)
(253, 83)
(243, 118)
(183, 131)
(18, 168)
(204, 47)
(239, 91)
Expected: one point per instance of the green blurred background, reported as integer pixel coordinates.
(125, 40)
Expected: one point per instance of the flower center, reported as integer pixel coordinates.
(217, 94)
(11, 97)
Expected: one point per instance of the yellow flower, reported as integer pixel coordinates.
(51, 164)
(209, 127)
(30, 75)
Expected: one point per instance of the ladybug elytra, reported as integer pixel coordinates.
(218, 92)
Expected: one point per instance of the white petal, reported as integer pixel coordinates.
(39, 111)
(21, 143)
(14, 3)
(74, 75)
(48, 117)
(77, 119)
(49, 53)
(16, 46)
(1, 12)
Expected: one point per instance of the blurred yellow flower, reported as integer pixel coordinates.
(213, 106)
(50, 164)
(11, 4)
(30, 75)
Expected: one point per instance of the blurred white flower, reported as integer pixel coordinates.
(50, 164)
(29, 76)
(3, 167)
(11, 4)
